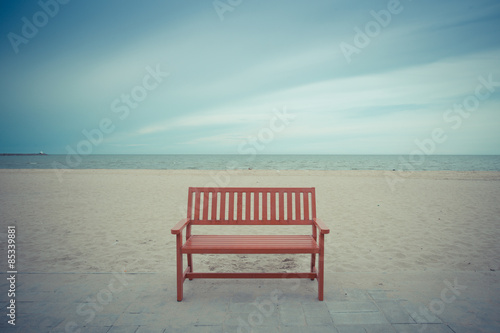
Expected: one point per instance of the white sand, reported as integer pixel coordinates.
(112, 220)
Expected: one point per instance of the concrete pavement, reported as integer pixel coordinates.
(146, 302)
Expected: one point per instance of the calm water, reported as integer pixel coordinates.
(272, 162)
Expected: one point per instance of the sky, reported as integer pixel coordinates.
(236, 76)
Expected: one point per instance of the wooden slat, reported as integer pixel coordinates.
(248, 206)
(190, 205)
(297, 206)
(281, 206)
(239, 206)
(223, 205)
(206, 196)
(272, 209)
(313, 204)
(214, 206)
(256, 205)
(250, 244)
(231, 206)
(197, 205)
(306, 205)
(288, 206)
(203, 275)
(250, 222)
(265, 197)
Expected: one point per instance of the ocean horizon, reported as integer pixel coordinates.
(255, 162)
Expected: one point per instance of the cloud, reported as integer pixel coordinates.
(401, 104)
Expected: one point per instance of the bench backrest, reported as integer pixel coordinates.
(251, 205)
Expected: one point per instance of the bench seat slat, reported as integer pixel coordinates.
(250, 244)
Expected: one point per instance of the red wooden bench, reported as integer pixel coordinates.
(250, 206)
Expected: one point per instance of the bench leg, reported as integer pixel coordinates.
(180, 273)
(190, 263)
(321, 277)
(313, 263)
(321, 270)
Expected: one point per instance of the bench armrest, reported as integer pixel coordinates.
(180, 225)
(321, 225)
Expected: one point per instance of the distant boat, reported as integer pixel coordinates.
(20, 154)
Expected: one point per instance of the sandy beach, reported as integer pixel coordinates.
(113, 220)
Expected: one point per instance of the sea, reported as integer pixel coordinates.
(256, 162)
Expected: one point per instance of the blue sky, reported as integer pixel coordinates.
(285, 77)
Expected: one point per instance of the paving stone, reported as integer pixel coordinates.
(381, 294)
(214, 302)
(228, 328)
(350, 328)
(101, 319)
(29, 306)
(41, 322)
(460, 312)
(359, 318)
(319, 321)
(252, 319)
(345, 306)
(243, 297)
(337, 294)
(462, 329)
(148, 329)
(367, 328)
(100, 329)
(116, 307)
(245, 307)
(263, 329)
(209, 317)
(242, 307)
(196, 329)
(292, 314)
(474, 329)
(311, 329)
(38, 296)
(4, 325)
(123, 329)
(316, 309)
(236, 320)
(422, 328)
(356, 295)
(379, 328)
(486, 313)
(207, 329)
(132, 319)
(72, 324)
(150, 297)
(420, 313)
(266, 304)
(395, 313)
(139, 308)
